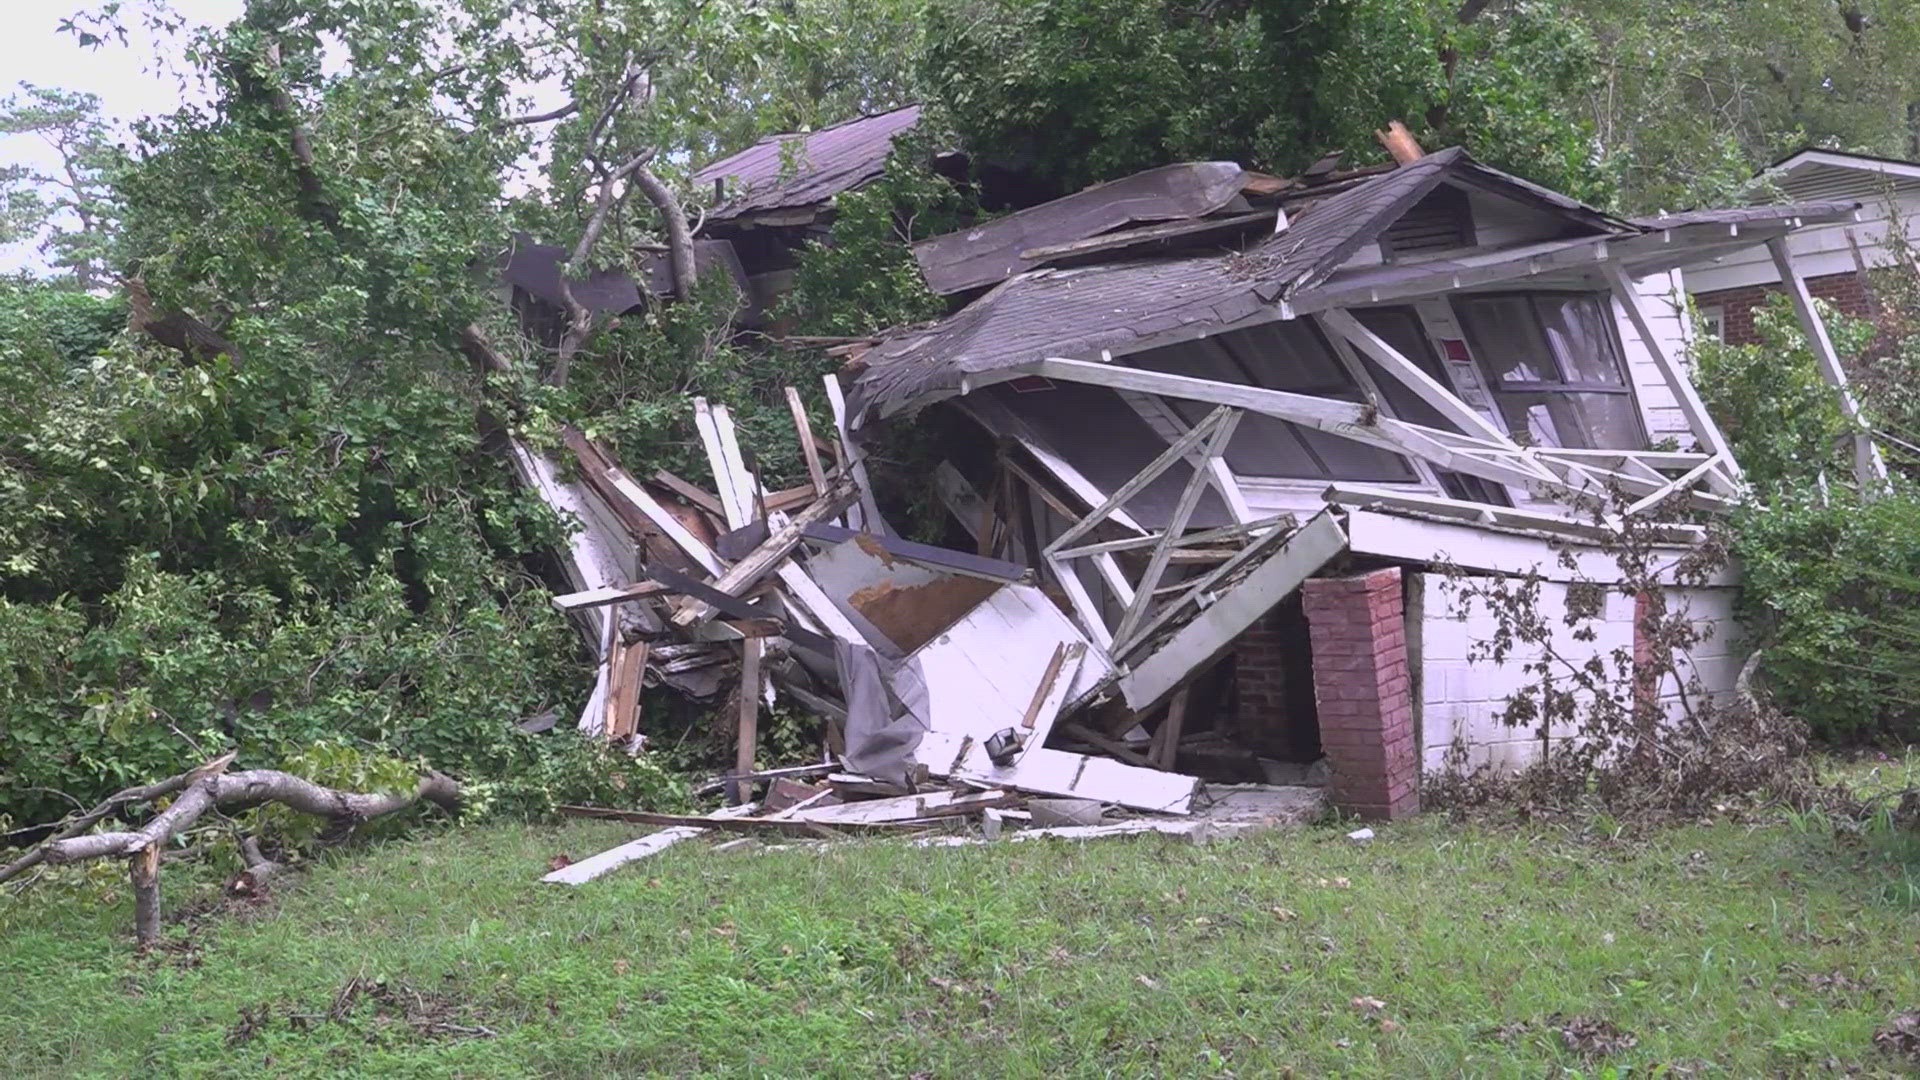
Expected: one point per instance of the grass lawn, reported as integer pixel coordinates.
(1734, 949)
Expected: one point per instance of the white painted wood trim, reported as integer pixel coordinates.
(1193, 645)
(1869, 468)
(1410, 374)
(1678, 380)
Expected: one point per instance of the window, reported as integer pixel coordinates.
(1401, 328)
(1277, 356)
(1713, 322)
(1554, 368)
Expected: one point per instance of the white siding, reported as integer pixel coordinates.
(1664, 296)
(1818, 250)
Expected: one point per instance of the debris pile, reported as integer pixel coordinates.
(951, 686)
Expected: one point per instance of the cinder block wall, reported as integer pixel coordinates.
(1460, 699)
(1848, 292)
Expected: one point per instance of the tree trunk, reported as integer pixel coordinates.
(679, 235)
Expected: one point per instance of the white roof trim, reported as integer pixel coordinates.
(1835, 159)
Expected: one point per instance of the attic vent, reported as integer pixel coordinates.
(1439, 222)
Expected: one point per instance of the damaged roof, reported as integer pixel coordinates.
(789, 171)
(994, 250)
(1119, 306)
(1747, 215)
(1129, 302)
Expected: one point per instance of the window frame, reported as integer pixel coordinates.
(1503, 390)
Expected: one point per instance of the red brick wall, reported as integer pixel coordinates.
(1848, 292)
(1364, 689)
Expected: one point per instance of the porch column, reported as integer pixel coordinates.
(1869, 470)
(1364, 692)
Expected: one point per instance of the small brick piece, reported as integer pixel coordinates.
(1364, 694)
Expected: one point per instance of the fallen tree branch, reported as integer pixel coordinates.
(206, 788)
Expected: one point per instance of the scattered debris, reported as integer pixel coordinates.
(1360, 836)
(1591, 1037)
(1901, 1035)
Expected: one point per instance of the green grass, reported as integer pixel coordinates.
(1745, 949)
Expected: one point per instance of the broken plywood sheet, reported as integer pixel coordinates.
(979, 675)
(909, 603)
(1041, 771)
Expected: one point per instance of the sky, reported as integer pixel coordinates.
(33, 50)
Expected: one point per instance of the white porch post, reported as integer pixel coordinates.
(1869, 469)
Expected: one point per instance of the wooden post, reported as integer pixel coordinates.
(749, 708)
(1869, 469)
(143, 870)
(1169, 734)
(815, 471)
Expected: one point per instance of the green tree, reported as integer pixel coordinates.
(72, 206)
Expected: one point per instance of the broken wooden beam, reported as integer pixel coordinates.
(634, 850)
(593, 598)
(765, 558)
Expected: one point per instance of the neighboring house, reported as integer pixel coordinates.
(768, 201)
(1246, 427)
(1831, 255)
(777, 195)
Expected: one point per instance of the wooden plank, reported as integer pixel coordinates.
(938, 558)
(719, 823)
(815, 471)
(1195, 645)
(733, 509)
(1182, 512)
(627, 668)
(1103, 741)
(593, 598)
(645, 504)
(634, 850)
(1170, 728)
(1091, 619)
(764, 559)
(690, 492)
(1869, 468)
(868, 518)
(1047, 679)
(1174, 454)
(1686, 480)
(749, 715)
(909, 807)
(1210, 536)
(1677, 379)
(1051, 695)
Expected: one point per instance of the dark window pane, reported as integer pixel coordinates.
(1506, 339)
(1288, 355)
(1400, 327)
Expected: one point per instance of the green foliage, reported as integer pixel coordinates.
(1079, 92)
(1830, 580)
(1075, 91)
(1773, 405)
(863, 279)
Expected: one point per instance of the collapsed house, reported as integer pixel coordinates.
(1220, 450)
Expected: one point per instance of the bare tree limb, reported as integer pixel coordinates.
(145, 793)
(579, 319)
(679, 236)
(205, 789)
(560, 113)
